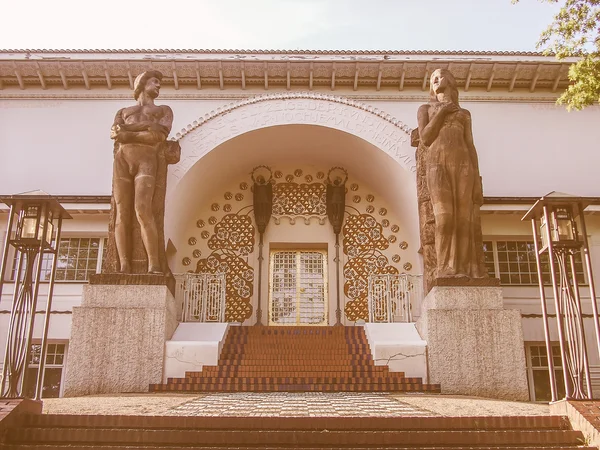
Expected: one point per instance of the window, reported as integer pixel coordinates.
(55, 358)
(78, 258)
(537, 372)
(513, 262)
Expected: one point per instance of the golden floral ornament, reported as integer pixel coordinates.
(403, 245)
(354, 187)
(370, 209)
(385, 223)
(212, 220)
(382, 211)
(239, 196)
(320, 175)
(205, 234)
(196, 253)
(298, 172)
(214, 207)
(192, 241)
(228, 195)
(227, 207)
(396, 258)
(370, 198)
(392, 239)
(356, 199)
(278, 174)
(186, 261)
(395, 228)
(407, 266)
(200, 223)
(308, 178)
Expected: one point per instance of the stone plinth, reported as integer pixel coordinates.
(118, 339)
(474, 346)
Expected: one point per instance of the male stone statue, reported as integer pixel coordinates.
(449, 185)
(139, 177)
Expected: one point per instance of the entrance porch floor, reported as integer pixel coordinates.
(282, 404)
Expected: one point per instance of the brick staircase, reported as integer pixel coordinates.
(54, 432)
(295, 359)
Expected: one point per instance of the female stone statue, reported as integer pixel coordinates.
(452, 180)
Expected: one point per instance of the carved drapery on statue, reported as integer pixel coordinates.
(449, 188)
(136, 243)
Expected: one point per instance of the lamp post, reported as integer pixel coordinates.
(33, 230)
(556, 220)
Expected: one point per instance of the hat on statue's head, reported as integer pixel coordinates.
(140, 81)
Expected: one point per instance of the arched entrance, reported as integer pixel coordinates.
(300, 137)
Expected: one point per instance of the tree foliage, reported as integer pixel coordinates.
(575, 32)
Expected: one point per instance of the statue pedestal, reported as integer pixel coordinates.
(118, 339)
(474, 346)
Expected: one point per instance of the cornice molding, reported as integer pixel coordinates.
(287, 52)
(240, 96)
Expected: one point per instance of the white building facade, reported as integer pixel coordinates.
(300, 114)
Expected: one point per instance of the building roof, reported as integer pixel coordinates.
(200, 70)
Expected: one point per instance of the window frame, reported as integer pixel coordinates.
(62, 367)
(11, 269)
(497, 274)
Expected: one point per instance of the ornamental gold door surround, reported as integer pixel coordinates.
(298, 287)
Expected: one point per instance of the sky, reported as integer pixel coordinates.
(276, 24)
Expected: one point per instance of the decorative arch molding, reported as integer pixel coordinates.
(295, 108)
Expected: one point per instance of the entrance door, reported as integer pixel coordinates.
(298, 287)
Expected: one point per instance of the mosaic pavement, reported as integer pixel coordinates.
(309, 404)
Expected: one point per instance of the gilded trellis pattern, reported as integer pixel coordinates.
(363, 244)
(292, 199)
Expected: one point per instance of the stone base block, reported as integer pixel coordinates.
(474, 351)
(118, 339)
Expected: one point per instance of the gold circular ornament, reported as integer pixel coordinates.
(298, 172)
(226, 207)
(396, 258)
(212, 220)
(200, 223)
(356, 199)
(186, 261)
(354, 187)
(320, 175)
(214, 206)
(239, 196)
(370, 198)
(205, 234)
(407, 266)
(370, 209)
(392, 239)
(278, 174)
(192, 241)
(308, 178)
(196, 253)
(289, 178)
(382, 211)
(243, 185)
(385, 223)
(228, 195)
(395, 228)
(403, 245)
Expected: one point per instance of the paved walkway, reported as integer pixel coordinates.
(310, 404)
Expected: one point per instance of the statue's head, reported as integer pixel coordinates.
(442, 80)
(148, 81)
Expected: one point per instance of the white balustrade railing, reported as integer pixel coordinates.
(393, 297)
(202, 296)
